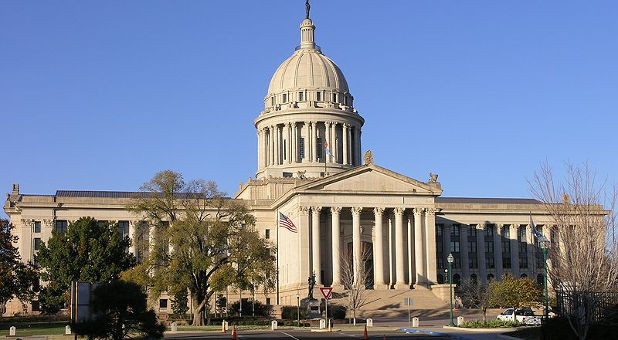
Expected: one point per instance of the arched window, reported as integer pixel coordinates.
(456, 279)
(473, 279)
(539, 280)
(490, 277)
(440, 278)
(523, 275)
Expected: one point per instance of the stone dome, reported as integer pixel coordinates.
(307, 68)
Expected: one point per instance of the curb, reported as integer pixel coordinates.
(481, 330)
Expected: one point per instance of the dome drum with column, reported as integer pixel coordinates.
(307, 111)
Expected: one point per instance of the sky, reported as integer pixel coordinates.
(101, 95)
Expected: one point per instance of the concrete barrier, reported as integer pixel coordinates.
(370, 322)
(12, 331)
(273, 325)
(67, 330)
(322, 323)
(415, 322)
(174, 327)
(460, 320)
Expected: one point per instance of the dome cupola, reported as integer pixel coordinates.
(308, 116)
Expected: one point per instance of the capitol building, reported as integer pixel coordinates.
(314, 169)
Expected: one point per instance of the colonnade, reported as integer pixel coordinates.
(281, 144)
(414, 259)
(498, 269)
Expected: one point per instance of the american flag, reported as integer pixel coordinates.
(286, 223)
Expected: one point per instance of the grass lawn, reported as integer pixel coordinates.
(36, 329)
(528, 333)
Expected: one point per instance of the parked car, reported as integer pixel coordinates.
(523, 315)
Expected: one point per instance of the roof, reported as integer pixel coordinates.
(477, 200)
(115, 194)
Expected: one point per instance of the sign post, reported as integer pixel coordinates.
(408, 302)
(326, 293)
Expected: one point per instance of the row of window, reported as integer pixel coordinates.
(319, 96)
(540, 279)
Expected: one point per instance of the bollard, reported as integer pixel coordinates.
(67, 330)
(12, 331)
(224, 326)
(322, 323)
(330, 328)
(273, 325)
(460, 320)
(174, 327)
(370, 322)
(415, 322)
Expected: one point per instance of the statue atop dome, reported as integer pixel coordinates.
(307, 9)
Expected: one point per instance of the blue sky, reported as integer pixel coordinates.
(100, 95)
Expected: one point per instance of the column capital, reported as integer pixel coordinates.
(357, 210)
(418, 211)
(316, 208)
(399, 211)
(481, 226)
(378, 210)
(335, 210)
(303, 209)
(431, 211)
(346, 125)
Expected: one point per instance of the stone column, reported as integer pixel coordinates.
(289, 146)
(304, 260)
(315, 240)
(530, 251)
(463, 251)
(498, 251)
(399, 253)
(151, 238)
(259, 143)
(358, 146)
(272, 145)
(333, 147)
(480, 241)
(356, 240)
(430, 239)
(345, 143)
(410, 242)
(327, 138)
(314, 155)
(418, 246)
(514, 250)
(133, 237)
(378, 251)
(336, 245)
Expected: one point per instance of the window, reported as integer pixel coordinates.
(162, 303)
(472, 231)
(287, 175)
(318, 96)
(267, 234)
(285, 98)
(267, 301)
(505, 241)
(272, 101)
(334, 97)
(36, 243)
(301, 96)
(473, 262)
(37, 226)
(123, 229)
(489, 261)
(301, 148)
(320, 145)
(61, 226)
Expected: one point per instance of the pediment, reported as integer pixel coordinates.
(372, 178)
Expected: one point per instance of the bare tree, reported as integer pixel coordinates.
(355, 280)
(583, 254)
(476, 295)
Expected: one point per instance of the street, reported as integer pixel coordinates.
(302, 334)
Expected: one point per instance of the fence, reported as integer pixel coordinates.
(595, 303)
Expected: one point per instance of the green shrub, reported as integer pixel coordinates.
(490, 324)
(337, 312)
(247, 308)
(291, 313)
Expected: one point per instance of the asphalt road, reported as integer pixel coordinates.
(301, 334)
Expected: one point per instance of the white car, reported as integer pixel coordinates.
(524, 315)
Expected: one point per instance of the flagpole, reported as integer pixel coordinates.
(277, 249)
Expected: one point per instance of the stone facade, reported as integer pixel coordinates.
(310, 169)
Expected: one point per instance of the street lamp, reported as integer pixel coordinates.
(450, 260)
(545, 245)
(298, 308)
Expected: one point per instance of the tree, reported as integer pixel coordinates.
(179, 304)
(203, 241)
(516, 293)
(119, 310)
(476, 295)
(583, 253)
(355, 280)
(17, 279)
(90, 251)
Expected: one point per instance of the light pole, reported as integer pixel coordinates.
(544, 245)
(450, 260)
(298, 308)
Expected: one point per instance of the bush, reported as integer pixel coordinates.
(337, 312)
(291, 313)
(559, 329)
(247, 308)
(490, 324)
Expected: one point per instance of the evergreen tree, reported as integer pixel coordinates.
(17, 279)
